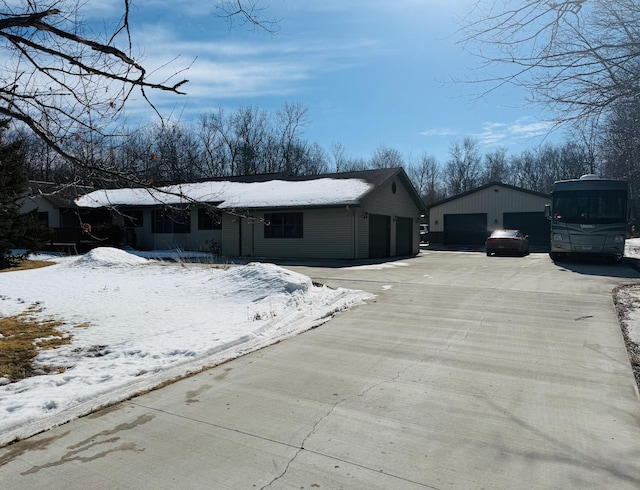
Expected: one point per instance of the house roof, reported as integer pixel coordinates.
(60, 195)
(486, 186)
(255, 192)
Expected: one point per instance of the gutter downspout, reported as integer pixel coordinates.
(354, 228)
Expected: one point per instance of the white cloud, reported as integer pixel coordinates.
(524, 131)
(528, 128)
(520, 131)
(440, 132)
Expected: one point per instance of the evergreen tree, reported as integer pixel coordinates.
(17, 230)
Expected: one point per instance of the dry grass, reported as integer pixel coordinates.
(23, 337)
(28, 264)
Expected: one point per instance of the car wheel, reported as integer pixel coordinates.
(488, 253)
(555, 256)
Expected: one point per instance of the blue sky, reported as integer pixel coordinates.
(370, 72)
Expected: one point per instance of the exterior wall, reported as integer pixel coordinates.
(43, 206)
(230, 235)
(197, 240)
(327, 234)
(385, 202)
(494, 200)
(201, 240)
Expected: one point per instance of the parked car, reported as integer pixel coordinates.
(507, 242)
(424, 231)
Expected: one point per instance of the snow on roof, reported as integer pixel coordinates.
(228, 195)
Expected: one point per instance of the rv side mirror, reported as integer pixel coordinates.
(547, 211)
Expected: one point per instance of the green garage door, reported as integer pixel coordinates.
(404, 236)
(533, 224)
(465, 229)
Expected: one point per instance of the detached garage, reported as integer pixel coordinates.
(468, 218)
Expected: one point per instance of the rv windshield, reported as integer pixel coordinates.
(590, 206)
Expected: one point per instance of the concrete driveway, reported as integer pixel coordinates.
(466, 371)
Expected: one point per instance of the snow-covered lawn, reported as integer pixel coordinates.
(137, 323)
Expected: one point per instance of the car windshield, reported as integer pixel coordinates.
(503, 234)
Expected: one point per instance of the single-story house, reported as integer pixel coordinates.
(57, 210)
(468, 218)
(349, 215)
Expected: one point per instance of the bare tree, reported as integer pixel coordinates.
(384, 157)
(251, 128)
(462, 171)
(355, 164)
(425, 174)
(586, 134)
(620, 145)
(64, 83)
(291, 120)
(575, 56)
(496, 167)
(174, 154)
(70, 86)
(339, 156)
(314, 160)
(525, 170)
(218, 136)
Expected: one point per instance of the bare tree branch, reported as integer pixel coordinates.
(250, 13)
(63, 84)
(576, 56)
(69, 87)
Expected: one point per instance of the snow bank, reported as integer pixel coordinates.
(258, 277)
(107, 257)
(136, 327)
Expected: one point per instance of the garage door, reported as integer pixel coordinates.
(465, 229)
(404, 236)
(379, 236)
(533, 224)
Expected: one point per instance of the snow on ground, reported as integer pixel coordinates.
(631, 294)
(632, 248)
(148, 322)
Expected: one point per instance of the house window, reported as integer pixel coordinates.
(171, 221)
(208, 220)
(133, 218)
(283, 225)
(43, 218)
